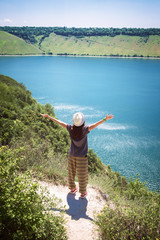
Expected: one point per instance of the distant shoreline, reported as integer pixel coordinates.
(64, 55)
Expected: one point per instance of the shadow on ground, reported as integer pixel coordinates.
(77, 208)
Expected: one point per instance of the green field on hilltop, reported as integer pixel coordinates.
(12, 45)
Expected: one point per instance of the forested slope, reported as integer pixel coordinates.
(21, 121)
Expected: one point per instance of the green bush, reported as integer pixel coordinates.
(128, 223)
(95, 165)
(119, 183)
(137, 190)
(24, 206)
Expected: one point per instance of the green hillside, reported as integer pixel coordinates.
(120, 45)
(20, 122)
(12, 45)
(124, 42)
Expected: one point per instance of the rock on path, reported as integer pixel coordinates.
(79, 213)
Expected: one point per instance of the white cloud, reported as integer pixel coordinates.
(7, 20)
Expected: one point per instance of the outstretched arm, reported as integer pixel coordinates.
(93, 126)
(64, 125)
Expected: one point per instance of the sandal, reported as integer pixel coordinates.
(83, 195)
(73, 191)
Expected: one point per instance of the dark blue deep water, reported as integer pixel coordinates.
(127, 88)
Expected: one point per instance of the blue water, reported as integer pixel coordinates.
(127, 88)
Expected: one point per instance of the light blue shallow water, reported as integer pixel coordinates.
(127, 88)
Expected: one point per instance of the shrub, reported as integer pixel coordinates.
(119, 182)
(137, 190)
(95, 165)
(130, 223)
(24, 206)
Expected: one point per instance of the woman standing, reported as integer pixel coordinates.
(77, 159)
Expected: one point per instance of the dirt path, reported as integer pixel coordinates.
(79, 212)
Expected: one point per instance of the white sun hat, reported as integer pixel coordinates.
(78, 119)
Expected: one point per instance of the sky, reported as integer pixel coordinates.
(81, 13)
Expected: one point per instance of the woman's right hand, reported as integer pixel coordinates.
(44, 115)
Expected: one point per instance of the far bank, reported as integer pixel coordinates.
(83, 55)
(37, 42)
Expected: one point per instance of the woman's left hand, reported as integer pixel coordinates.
(108, 117)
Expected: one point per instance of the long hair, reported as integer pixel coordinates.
(77, 132)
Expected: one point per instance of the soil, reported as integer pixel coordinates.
(79, 213)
